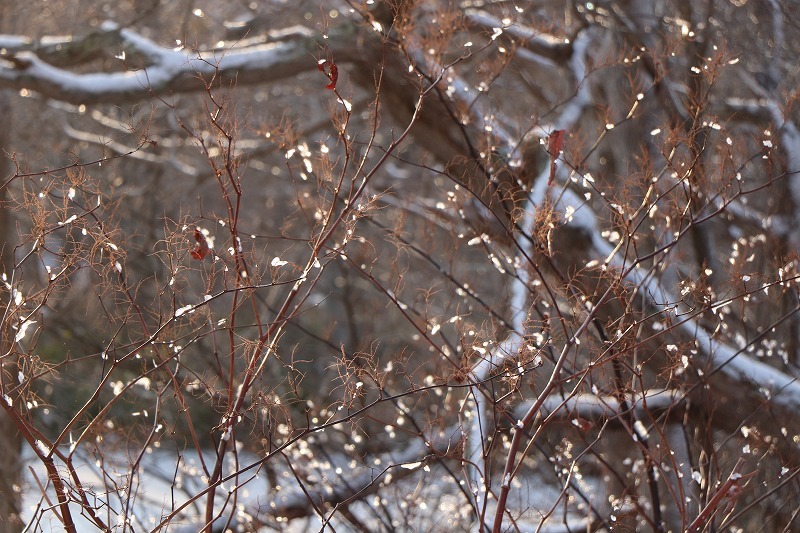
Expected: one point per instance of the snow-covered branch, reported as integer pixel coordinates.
(547, 47)
(165, 70)
(753, 380)
(598, 407)
(354, 486)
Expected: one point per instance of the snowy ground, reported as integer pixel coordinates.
(424, 501)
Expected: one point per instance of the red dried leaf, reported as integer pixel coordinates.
(332, 72)
(202, 248)
(334, 76)
(555, 142)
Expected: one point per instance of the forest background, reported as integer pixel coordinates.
(404, 265)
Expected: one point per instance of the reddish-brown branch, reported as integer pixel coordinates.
(727, 493)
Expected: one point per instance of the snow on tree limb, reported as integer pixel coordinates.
(346, 489)
(546, 47)
(167, 70)
(594, 406)
(758, 381)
